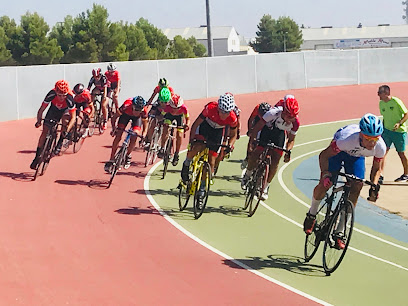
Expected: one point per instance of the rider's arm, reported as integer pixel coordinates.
(324, 156)
(375, 170)
(145, 123)
(290, 142)
(155, 92)
(91, 81)
(258, 126)
(40, 112)
(71, 122)
(233, 136)
(195, 125)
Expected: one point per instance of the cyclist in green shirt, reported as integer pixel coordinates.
(395, 115)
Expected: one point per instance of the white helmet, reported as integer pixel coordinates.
(176, 101)
(288, 97)
(226, 102)
(111, 67)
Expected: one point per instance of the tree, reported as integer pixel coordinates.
(277, 35)
(180, 48)
(5, 54)
(63, 33)
(199, 49)
(155, 38)
(137, 45)
(12, 38)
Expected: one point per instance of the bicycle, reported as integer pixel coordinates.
(259, 179)
(200, 171)
(77, 135)
(328, 226)
(154, 146)
(120, 156)
(48, 148)
(98, 115)
(169, 147)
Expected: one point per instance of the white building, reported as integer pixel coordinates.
(381, 36)
(226, 40)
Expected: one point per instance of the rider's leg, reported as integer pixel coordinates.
(105, 109)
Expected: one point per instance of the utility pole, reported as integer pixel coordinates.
(405, 16)
(284, 41)
(209, 38)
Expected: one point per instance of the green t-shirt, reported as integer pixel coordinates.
(393, 111)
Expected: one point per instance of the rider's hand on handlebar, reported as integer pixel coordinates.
(286, 158)
(326, 179)
(38, 124)
(373, 193)
(186, 128)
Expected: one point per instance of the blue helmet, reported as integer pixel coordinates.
(371, 125)
(138, 102)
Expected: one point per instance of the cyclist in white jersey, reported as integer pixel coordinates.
(348, 149)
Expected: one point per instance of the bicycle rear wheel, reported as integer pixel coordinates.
(166, 158)
(312, 241)
(341, 225)
(204, 176)
(261, 177)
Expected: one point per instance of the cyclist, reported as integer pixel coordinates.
(163, 83)
(113, 78)
(210, 126)
(83, 102)
(349, 147)
(61, 102)
(156, 111)
(175, 110)
(255, 116)
(101, 87)
(133, 109)
(272, 128)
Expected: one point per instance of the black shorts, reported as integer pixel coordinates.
(168, 119)
(124, 120)
(213, 136)
(54, 114)
(274, 135)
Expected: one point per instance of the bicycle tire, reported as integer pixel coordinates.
(48, 153)
(249, 193)
(166, 157)
(260, 184)
(119, 158)
(312, 241)
(330, 261)
(78, 137)
(37, 170)
(184, 195)
(156, 141)
(205, 167)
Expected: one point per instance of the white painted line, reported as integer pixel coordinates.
(218, 252)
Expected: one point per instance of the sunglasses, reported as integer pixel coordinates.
(61, 94)
(287, 114)
(373, 139)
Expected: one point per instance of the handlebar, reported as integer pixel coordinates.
(273, 146)
(355, 178)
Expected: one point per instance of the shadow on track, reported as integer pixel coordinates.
(137, 211)
(289, 263)
(26, 152)
(21, 177)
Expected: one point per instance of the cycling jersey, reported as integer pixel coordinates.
(158, 88)
(347, 139)
(113, 78)
(212, 117)
(127, 108)
(181, 111)
(99, 84)
(84, 97)
(66, 103)
(273, 119)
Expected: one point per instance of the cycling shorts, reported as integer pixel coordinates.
(214, 136)
(124, 120)
(352, 165)
(169, 118)
(274, 135)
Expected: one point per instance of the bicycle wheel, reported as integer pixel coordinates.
(156, 142)
(119, 159)
(318, 235)
(250, 192)
(78, 137)
(184, 195)
(204, 175)
(341, 224)
(167, 153)
(260, 184)
(42, 154)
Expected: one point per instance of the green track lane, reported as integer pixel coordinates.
(273, 245)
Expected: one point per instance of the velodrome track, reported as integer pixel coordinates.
(65, 239)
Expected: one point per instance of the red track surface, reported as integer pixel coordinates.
(64, 239)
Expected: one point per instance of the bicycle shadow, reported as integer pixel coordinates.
(236, 178)
(134, 210)
(26, 151)
(94, 184)
(20, 177)
(290, 263)
(172, 192)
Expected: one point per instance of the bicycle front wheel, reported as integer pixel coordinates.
(201, 194)
(79, 137)
(260, 181)
(166, 158)
(119, 159)
(312, 241)
(340, 227)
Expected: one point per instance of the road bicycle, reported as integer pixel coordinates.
(48, 148)
(199, 173)
(259, 179)
(120, 156)
(334, 220)
(77, 134)
(169, 146)
(98, 118)
(154, 147)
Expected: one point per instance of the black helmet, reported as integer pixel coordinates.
(263, 108)
(79, 88)
(163, 83)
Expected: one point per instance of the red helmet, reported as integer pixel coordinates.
(62, 86)
(176, 101)
(96, 72)
(291, 106)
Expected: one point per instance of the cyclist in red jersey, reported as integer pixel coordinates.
(135, 110)
(175, 110)
(272, 128)
(61, 102)
(210, 126)
(113, 77)
(101, 87)
(255, 116)
(83, 102)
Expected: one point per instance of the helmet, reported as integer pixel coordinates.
(163, 83)
(226, 103)
(263, 108)
(291, 106)
(138, 102)
(164, 95)
(96, 72)
(371, 125)
(79, 88)
(288, 97)
(62, 86)
(176, 101)
(111, 67)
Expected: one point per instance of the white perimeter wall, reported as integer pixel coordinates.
(24, 88)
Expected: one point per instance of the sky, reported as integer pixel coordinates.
(244, 16)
